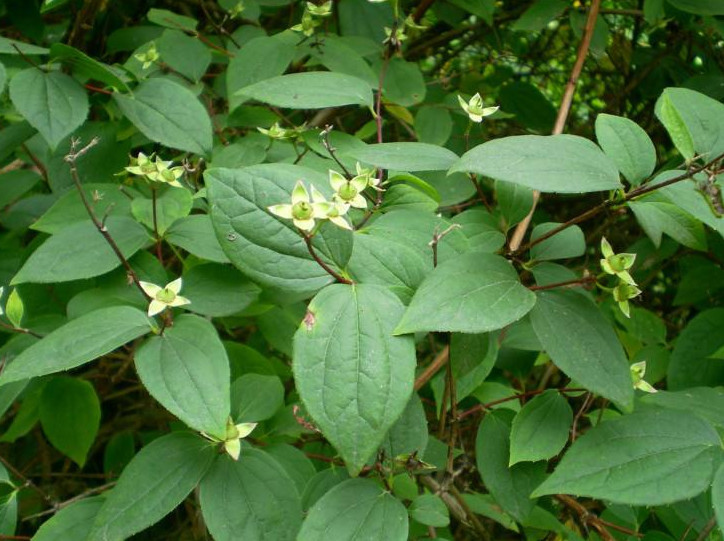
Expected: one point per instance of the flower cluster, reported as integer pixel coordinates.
(475, 109)
(275, 131)
(156, 169)
(313, 12)
(304, 208)
(619, 265)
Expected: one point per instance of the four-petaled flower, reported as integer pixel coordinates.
(308, 24)
(622, 293)
(142, 165)
(337, 209)
(323, 10)
(234, 435)
(475, 109)
(163, 297)
(302, 211)
(166, 174)
(349, 191)
(617, 264)
(638, 371)
(275, 131)
(149, 57)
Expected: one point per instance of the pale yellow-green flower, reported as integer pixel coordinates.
(323, 10)
(617, 264)
(302, 211)
(166, 174)
(234, 435)
(142, 165)
(638, 371)
(349, 191)
(475, 109)
(622, 293)
(337, 209)
(275, 131)
(308, 24)
(149, 57)
(163, 297)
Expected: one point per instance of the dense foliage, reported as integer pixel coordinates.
(361, 270)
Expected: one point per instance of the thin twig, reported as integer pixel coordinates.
(711, 523)
(27, 482)
(327, 268)
(457, 505)
(563, 111)
(488, 405)
(567, 284)
(19, 330)
(71, 158)
(57, 507)
(433, 368)
(324, 137)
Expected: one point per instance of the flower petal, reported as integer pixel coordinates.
(156, 307)
(179, 301)
(283, 211)
(359, 201)
(463, 104)
(233, 448)
(150, 289)
(336, 180)
(341, 222)
(245, 429)
(359, 182)
(175, 286)
(299, 193)
(305, 225)
(317, 196)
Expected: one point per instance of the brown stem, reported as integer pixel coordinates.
(71, 159)
(568, 283)
(433, 368)
(36, 162)
(707, 529)
(26, 482)
(563, 110)
(488, 405)
(19, 330)
(638, 192)
(98, 90)
(456, 504)
(588, 518)
(330, 270)
(324, 136)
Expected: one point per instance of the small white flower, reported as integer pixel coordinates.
(149, 57)
(638, 371)
(337, 209)
(302, 211)
(474, 108)
(166, 174)
(235, 433)
(323, 10)
(163, 297)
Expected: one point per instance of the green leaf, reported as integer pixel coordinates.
(267, 248)
(563, 245)
(169, 19)
(72, 522)
(538, 15)
(628, 145)
(699, 7)
(310, 90)
(356, 510)
(433, 125)
(524, 100)
(14, 308)
(218, 290)
(430, 510)
(3, 78)
(260, 59)
(648, 458)
(336, 55)
(353, 376)
(403, 83)
(157, 480)
(168, 113)
(252, 499)
(195, 234)
(706, 402)
(670, 117)
(409, 433)
(511, 486)
(79, 341)
(87, 66)
(514, 201)
(481, 229)
(690, 364)
(299, 468)
(79, 251)
(53, 103)
(69, 209)
(70, 414)
(702, 116)
(540, 429)
(473, 293)
(320, 484)
(657, 218)
(405, 156)
(554, 163)
(592, 355)
(256, 397)
(186, 369)
(185, 54)
(717, 495)
(171, 205)
(7, 46)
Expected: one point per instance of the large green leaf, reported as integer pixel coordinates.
(310, 90)
(53, 103)
(567, 243)
(686, 195)
(405, 156)
(260, 59)
(356, 510)
(195, 234)
(540, 428)
(689, 113)
(654, 457)
(628, 145)
(158, 479)
(592, 354)
(717, 495)
(691, 363)
(409, 434)
(87, 66)
(353, 376)
(79, 341)
(168, 113)
(700, 7)
(171, 205)
(706, 402)
(251, 499)
(187, 371)
(72, 522)
(218, 290)
(185, 54)
(511, 486)
(658, 217)
(79, 251)
(267, 248)
(553, 163)
(473, 293)
(70, 414)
